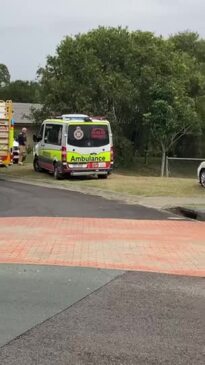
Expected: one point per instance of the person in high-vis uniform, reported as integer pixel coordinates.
(22, 140)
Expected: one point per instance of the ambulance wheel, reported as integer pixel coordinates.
(36, 166)
(103, 176)
(57, 173)
(202, 178)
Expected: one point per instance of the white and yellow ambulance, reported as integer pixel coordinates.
(74, 145)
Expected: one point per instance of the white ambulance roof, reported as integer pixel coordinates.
(74, 116)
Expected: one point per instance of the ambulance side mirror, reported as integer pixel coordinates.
(36, 138)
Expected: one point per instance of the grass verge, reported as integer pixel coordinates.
(120, 183)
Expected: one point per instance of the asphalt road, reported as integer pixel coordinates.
(80, 316)
(30, 294)
(136, 319)
(20, 200)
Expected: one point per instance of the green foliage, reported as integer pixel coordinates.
(151, 89)
(4, 75)
(190, 43)
(21, 91)
(124, 153)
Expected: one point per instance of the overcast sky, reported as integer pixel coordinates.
(31, 29)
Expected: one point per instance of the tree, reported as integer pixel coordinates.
(105, 71)
(170, 121)
(143, 83)
(4, 75)
(191, 44)
(21, 91)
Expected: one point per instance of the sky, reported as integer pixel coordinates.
(30, 30)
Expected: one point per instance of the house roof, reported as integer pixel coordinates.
(21, 110)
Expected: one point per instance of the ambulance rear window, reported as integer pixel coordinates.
(88, 135)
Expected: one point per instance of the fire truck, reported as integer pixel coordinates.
(6, 132)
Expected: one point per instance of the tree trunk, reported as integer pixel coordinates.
(146, 157)
(163, 161)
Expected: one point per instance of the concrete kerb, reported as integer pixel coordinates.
(148, 202)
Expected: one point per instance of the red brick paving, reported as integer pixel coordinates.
(175, 247)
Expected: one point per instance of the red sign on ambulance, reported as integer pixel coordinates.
(98, 133)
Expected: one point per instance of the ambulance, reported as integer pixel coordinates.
(74, 145)
(6, 132)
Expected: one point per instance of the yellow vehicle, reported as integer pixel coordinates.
(74, 145)
(6, 132)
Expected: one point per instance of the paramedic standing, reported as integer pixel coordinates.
(22, 140)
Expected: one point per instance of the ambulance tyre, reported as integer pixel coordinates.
(103, 176)
(57, 173)
(202, 178)
(36, 166)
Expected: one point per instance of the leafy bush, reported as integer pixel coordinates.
(123, 151)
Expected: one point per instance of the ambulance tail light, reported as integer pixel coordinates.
(112, 154)
(11, 156)
(64, 154)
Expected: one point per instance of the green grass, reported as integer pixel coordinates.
(148, 186)
(117, 182)
(177, 168)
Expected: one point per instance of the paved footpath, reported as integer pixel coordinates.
(175, 247)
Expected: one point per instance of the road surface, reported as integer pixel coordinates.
(76, 302)
(20, 200)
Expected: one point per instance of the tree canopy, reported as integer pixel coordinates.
(21, 91)
(4, 75)
(152, 89)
